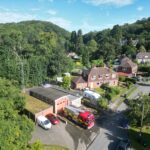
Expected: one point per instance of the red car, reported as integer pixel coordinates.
(53, 119)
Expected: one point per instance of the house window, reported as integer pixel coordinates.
(124, 69)
(107, 75)
(100, 77)
(113, 76)
(93, 78)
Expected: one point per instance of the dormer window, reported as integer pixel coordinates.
(93, 77)
(107, 75)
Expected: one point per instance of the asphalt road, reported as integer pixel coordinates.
(140, 89)
(111, 131)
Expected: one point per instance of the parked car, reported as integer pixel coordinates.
(44, 122)
(123, 145)
(53, 119)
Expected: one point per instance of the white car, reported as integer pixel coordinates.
(44, 122)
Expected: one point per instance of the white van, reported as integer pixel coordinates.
(44, 122)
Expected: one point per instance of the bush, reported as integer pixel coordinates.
(122, 79)
(103, 103)
(108, 96)
(131, 80)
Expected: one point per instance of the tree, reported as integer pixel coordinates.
(59, 63)
(140, 111)
(66, 82)
(116, 32)
(142, 49)
(92, 45)
(79, 43)
(15, 128)
(98, 63)
(85, 57)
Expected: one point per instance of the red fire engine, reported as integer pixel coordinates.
(81, 117)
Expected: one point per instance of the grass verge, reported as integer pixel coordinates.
(133, 135)
(54, 147)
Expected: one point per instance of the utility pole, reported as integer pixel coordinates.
(142, 116)
(22, 71)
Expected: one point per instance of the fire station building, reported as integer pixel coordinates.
(56, 97)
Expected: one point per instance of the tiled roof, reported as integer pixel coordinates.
(79, 80)
(126, 62)
(143, 55)
(100, 71)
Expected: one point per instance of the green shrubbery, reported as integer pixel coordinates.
(108, 95)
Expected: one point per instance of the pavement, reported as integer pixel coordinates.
(140, 89)
(68, 135)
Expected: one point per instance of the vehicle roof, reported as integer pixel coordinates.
(92, 93)
(42, 118)
(86, 114)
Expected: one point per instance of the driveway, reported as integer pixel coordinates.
(140, 89)
(67, 135)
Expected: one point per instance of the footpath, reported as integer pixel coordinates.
(113, 106)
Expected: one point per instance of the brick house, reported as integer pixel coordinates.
(127, 67)
(143, 57)
(94, 78)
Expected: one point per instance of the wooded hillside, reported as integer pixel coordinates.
(37, 49)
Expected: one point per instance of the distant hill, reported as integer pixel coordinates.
(34, 25)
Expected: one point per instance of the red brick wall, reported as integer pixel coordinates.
(44, 112)
(60, 104)
(96, 84)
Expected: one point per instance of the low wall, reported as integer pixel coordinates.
(44, 112)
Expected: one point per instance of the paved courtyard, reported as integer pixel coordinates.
(67, 135)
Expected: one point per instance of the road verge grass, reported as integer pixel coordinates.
(133, 136)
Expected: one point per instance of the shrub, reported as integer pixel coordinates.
(103, 103)
(122, 79)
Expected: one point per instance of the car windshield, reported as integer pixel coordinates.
(46, 122)
(89, 121)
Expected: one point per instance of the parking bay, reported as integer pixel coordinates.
(68, 135)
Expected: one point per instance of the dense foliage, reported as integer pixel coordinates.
(31, 51)
(108, 44)
(15, 131)
(34, 51)
(140, 107)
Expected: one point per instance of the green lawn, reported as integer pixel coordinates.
(100, 91)
(54, 147)
(133, 134)
(131, 91)
(114, 96)
(34, 105)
